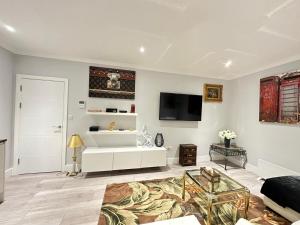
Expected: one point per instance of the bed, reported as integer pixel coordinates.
(282, 194)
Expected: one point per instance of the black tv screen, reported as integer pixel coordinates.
(180, 107)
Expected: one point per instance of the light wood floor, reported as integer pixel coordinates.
(54, 199)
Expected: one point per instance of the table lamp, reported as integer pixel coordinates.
(74, 143)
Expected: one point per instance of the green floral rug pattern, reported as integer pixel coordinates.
(148, 201)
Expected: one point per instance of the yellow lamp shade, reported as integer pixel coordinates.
(75, 141)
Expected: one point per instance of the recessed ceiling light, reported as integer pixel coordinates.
(142, 49)
(228, 64)
(9, 28)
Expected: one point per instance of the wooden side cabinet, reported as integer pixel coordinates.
(188, 155)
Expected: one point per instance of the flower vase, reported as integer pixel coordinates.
(227, 142)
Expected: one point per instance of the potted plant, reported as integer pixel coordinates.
(227, 135)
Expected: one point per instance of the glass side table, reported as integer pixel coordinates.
(232, 151)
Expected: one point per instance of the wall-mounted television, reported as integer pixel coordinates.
(184, 107)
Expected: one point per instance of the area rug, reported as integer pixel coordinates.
(148, 201)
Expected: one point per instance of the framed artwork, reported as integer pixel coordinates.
(111, 83)
(269, 99)
(213, 92)
(279, 98)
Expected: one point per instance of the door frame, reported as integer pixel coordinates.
(19, 77)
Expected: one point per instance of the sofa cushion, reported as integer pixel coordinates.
(285, 191)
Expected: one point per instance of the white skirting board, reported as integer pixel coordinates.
(267, 169)
(264, 168)
(175, 160)
(9, 172)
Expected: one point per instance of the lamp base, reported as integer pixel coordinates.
(75, 166)
(72, 174)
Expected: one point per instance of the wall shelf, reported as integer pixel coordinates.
(111, 114)
(113, 132)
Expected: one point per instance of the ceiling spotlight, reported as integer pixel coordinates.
(142, 49)
(9, 28)
(228, 64)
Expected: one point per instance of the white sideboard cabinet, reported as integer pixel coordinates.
(120, 158)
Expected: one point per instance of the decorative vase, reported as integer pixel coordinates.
(227, 142)
(132, 108)
(159, 140)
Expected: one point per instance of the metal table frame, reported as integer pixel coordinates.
(232, 151)
(211, 196)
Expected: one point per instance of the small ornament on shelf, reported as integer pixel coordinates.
(112, 126)
(147, 139)
(132, 108)
(159, 140)
(94, 110)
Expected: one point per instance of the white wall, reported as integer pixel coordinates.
(6, 102)
(277, 143)
(148, 86)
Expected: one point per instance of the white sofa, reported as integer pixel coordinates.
(287, 213)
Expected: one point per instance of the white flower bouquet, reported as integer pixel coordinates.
(227, 134)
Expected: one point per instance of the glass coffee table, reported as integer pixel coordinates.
(224, 201)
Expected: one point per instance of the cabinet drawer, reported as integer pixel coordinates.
(190, 154)
(189, 162)
(97, 161)
(189, 150)
(127, 160)
(154, 158)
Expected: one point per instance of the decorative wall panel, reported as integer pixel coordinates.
(289, 98)
(269, 97)
(111, 83)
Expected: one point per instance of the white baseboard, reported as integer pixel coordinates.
(252, 168)
(268, 169)
(67, 168)
(9, 172)
(175, 160)
(203, 158)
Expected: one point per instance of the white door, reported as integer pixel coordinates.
(40, 133)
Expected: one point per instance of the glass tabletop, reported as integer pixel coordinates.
(225, 184)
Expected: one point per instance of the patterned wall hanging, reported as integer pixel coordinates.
(111, 83)
(280, 98)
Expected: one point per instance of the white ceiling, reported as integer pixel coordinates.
(180, 36)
